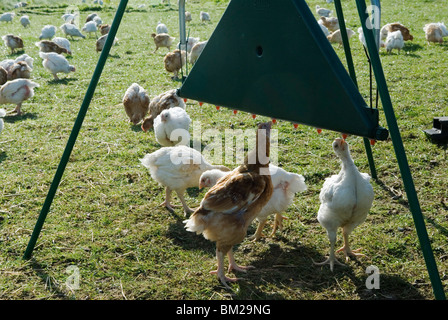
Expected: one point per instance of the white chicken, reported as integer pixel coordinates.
(177, 169)
(197, 50)
(346, 199)
(90, 27)
(204, 16)
(161, 28)
(2, 114)
(188, 16)
(69, 17)
(286, 185)
(56, 63)
(171, 127)
(8, 63)
(47, 32)
(331, 23)
(17, 91)
(394, 40)
(323, 12)
(25, 21)
(136, 103)
(7, 16)
(165, 100)
(190, 43)
(71, 30)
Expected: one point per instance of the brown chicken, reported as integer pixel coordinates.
(162, 40)
(50, 46)
(174, 61)
(230, 206)
(104, 29)
(19, 70)
(3, 76)
(13, 42)
(407, 36)
(136, 103)
(165, 100)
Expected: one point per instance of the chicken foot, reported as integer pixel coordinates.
(349, 253)
(16, 110)
(232, 266)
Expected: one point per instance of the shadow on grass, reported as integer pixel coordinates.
(62, 81)
(294, 270)
(24, 116)
(51, 285)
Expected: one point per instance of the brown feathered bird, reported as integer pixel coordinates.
(136, 103)
(174, 61)
(165, 100)
(162, 40)
(230, 206)
(50, 46)
(13, 42)
(3, 76)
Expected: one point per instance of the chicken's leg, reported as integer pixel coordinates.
(278, 222)
(167, 203)
(220, 271)
(234, 266)
(346, 248)
(187, 209)
(259, 233)
(17, 109)
(331, 259)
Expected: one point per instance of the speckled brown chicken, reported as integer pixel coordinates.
(230, 206)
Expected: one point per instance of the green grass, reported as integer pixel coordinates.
(105, 218)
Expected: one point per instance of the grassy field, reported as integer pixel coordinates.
(105, 219)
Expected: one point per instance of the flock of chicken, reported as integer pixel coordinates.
(175, 60)
(237, 196)
(15, 74)
(392, 35)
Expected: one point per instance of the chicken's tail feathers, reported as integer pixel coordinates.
(194, 225)
(297, 184)
(2, 113)
(146, 160)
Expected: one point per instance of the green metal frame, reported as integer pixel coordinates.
(76, 128)
(387, 107)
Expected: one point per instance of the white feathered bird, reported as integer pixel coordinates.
(346, 199)
(7, 16)
(177, 168)
(71, 30)
(394, 40)
(17, 91)
(323, 12)
(90, 27)
(204, 16)
(56, 63)
(286, 185)
(2, 114)
(47, 32)
(171, 127)
(25, 21)
(63, 42)
(196, 51)
(161, 28)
